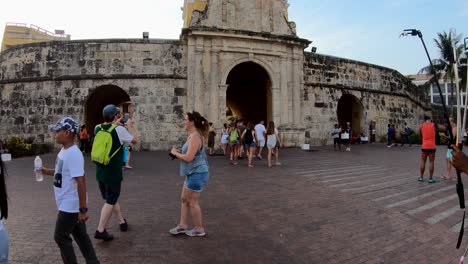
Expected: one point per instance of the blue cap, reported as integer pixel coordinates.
(66, 123)
(110, 111)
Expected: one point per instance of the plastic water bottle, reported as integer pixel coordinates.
(37, 168)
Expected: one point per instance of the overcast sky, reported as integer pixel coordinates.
(365, 30)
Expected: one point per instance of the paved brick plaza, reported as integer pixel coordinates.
(319, 207)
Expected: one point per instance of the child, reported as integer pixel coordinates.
(70, 194)
(272, 139)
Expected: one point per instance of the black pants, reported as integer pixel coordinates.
(67, 223)
(84, 145)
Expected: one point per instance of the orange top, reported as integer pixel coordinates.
(83, 134)
(428, 131)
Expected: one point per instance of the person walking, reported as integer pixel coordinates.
(224, 138)
(109, 166)
(406, 136)
(336, 137)
(260, 131)
(211, 139)
(194, 167)
(4, 248)
(70, 194)
(271, 142)
(389, 136)
(249, 137)
(428, 132)
(234, 142)
(84, 139)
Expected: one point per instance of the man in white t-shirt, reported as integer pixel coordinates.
(70, 194)
(260, 131)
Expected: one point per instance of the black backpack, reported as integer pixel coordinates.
(248, 138)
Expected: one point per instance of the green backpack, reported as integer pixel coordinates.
(101, 152)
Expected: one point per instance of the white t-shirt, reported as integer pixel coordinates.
(259, 129)
(68, 166)
(124, 136)
(336, 132)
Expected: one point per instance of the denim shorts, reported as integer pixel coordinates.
(251, 145)
(196, 181)
(3, 246)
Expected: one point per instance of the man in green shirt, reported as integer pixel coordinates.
(109, 176)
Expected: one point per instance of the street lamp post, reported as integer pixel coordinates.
(459, 187)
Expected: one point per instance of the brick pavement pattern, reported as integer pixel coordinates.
(364, 206)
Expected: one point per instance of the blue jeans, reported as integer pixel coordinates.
(3, 246)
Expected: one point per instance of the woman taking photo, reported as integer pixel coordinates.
(3, 215)
(194, 167)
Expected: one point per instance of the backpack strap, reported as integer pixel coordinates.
(109, 130)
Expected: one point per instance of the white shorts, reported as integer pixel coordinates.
(261, 143)
(224, 139)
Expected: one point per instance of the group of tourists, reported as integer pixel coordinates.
(238, 139)
(108, 154)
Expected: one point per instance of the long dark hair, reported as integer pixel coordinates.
(200, 122)
(270, 128)
(3, 194)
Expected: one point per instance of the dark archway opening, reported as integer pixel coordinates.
(99, 98)
(350, 110)
(248, 95)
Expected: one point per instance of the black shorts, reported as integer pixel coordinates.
(110, 192)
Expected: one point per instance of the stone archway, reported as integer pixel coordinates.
(249, 96)
(99, 98)
(350, 110)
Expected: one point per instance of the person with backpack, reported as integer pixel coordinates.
(107, 153)
(406, 136)
(249, 137)
(194, 167)
(70, 194)
(234, 141)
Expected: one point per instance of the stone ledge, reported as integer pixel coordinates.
(95, 77)
(342, 87)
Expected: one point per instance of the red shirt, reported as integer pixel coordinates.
(428, 131)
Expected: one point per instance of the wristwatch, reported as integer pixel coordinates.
(83, 210)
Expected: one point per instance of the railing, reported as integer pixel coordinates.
(39, 29)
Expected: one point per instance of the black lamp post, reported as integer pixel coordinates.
(459, 188)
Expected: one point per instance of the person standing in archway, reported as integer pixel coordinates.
(260, 131)
(234, 142)
(249, 137)
(109, 176)
(349, 131)
(84, 139)
(241, 128)
(224, 138)
(194, 167)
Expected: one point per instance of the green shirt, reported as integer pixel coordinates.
(112, 172)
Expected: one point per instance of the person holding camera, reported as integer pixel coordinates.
(194, 167)
(109, 166)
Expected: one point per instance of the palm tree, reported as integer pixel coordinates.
(445, 63)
